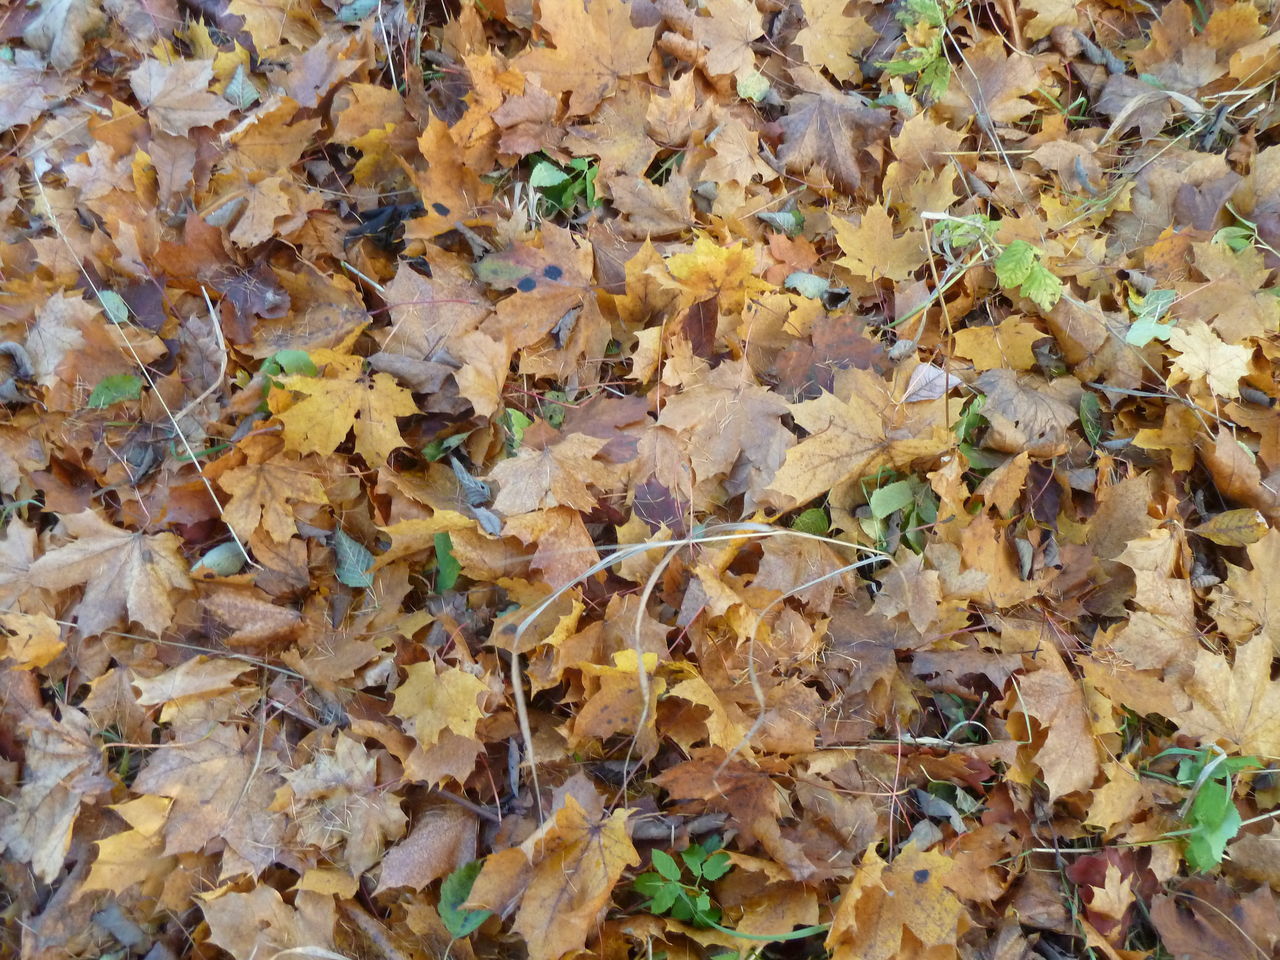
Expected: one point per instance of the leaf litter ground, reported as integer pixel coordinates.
(735, 479)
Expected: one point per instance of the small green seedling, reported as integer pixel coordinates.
(1019, 265)
(924, 21)
(1209, 810)
(669, 893)
(562, 187)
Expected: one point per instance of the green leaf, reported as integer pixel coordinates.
(1148, 312)
(1237, 238)
(296, 363)
(553, 407)
(963, 231)
(1143, 330)
(754, 87)
(113, 389)
(357, 10)
(1214, 823)
(546, 174)
(116, 309)
(447, 565)
(1014, 264)
(970, 419)
(789, 222)
(436, 449)
(1091, 417)
(694, 858)
(1154, 305)
(664, 898)
(814, 520)
(934, 78)
(682, 908)
(648, 884)
(717, 866)
(891, 498)
(453, 894)
(666, 865)
(355, 562)
(1042, 287)
(240, 92)
(516, 423)
(922, 11)
(224, 560)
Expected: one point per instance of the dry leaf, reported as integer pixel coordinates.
(126, 576)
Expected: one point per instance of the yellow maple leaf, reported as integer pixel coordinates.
(832, 38)
(260, 496)
(1236, 704)
(36, 639)
(886, 900)
(595, 46)
(134, 855)
(1203, 355)
(332, 406)
(871, 249)
(1006, 345)
(579, 860)
(711, 269)
(434, 702)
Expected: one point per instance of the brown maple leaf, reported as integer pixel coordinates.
(126, 576)
(176, 95)
(835, 132)
(261, 495)
(595, 46)
(560, 474)
(63, 768)
(563, 876)
(221, 788)
(733, 428)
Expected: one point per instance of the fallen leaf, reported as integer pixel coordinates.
(434, 701)
(63, 769)
(126, 576)
(872, 251)
(834, 132)
(886, 902)
(1235, 703)
(560, 474)
(330, 408)
(1069, 757)
(832, 38)
(176, 95)
(596, 46)
(1203, 355)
